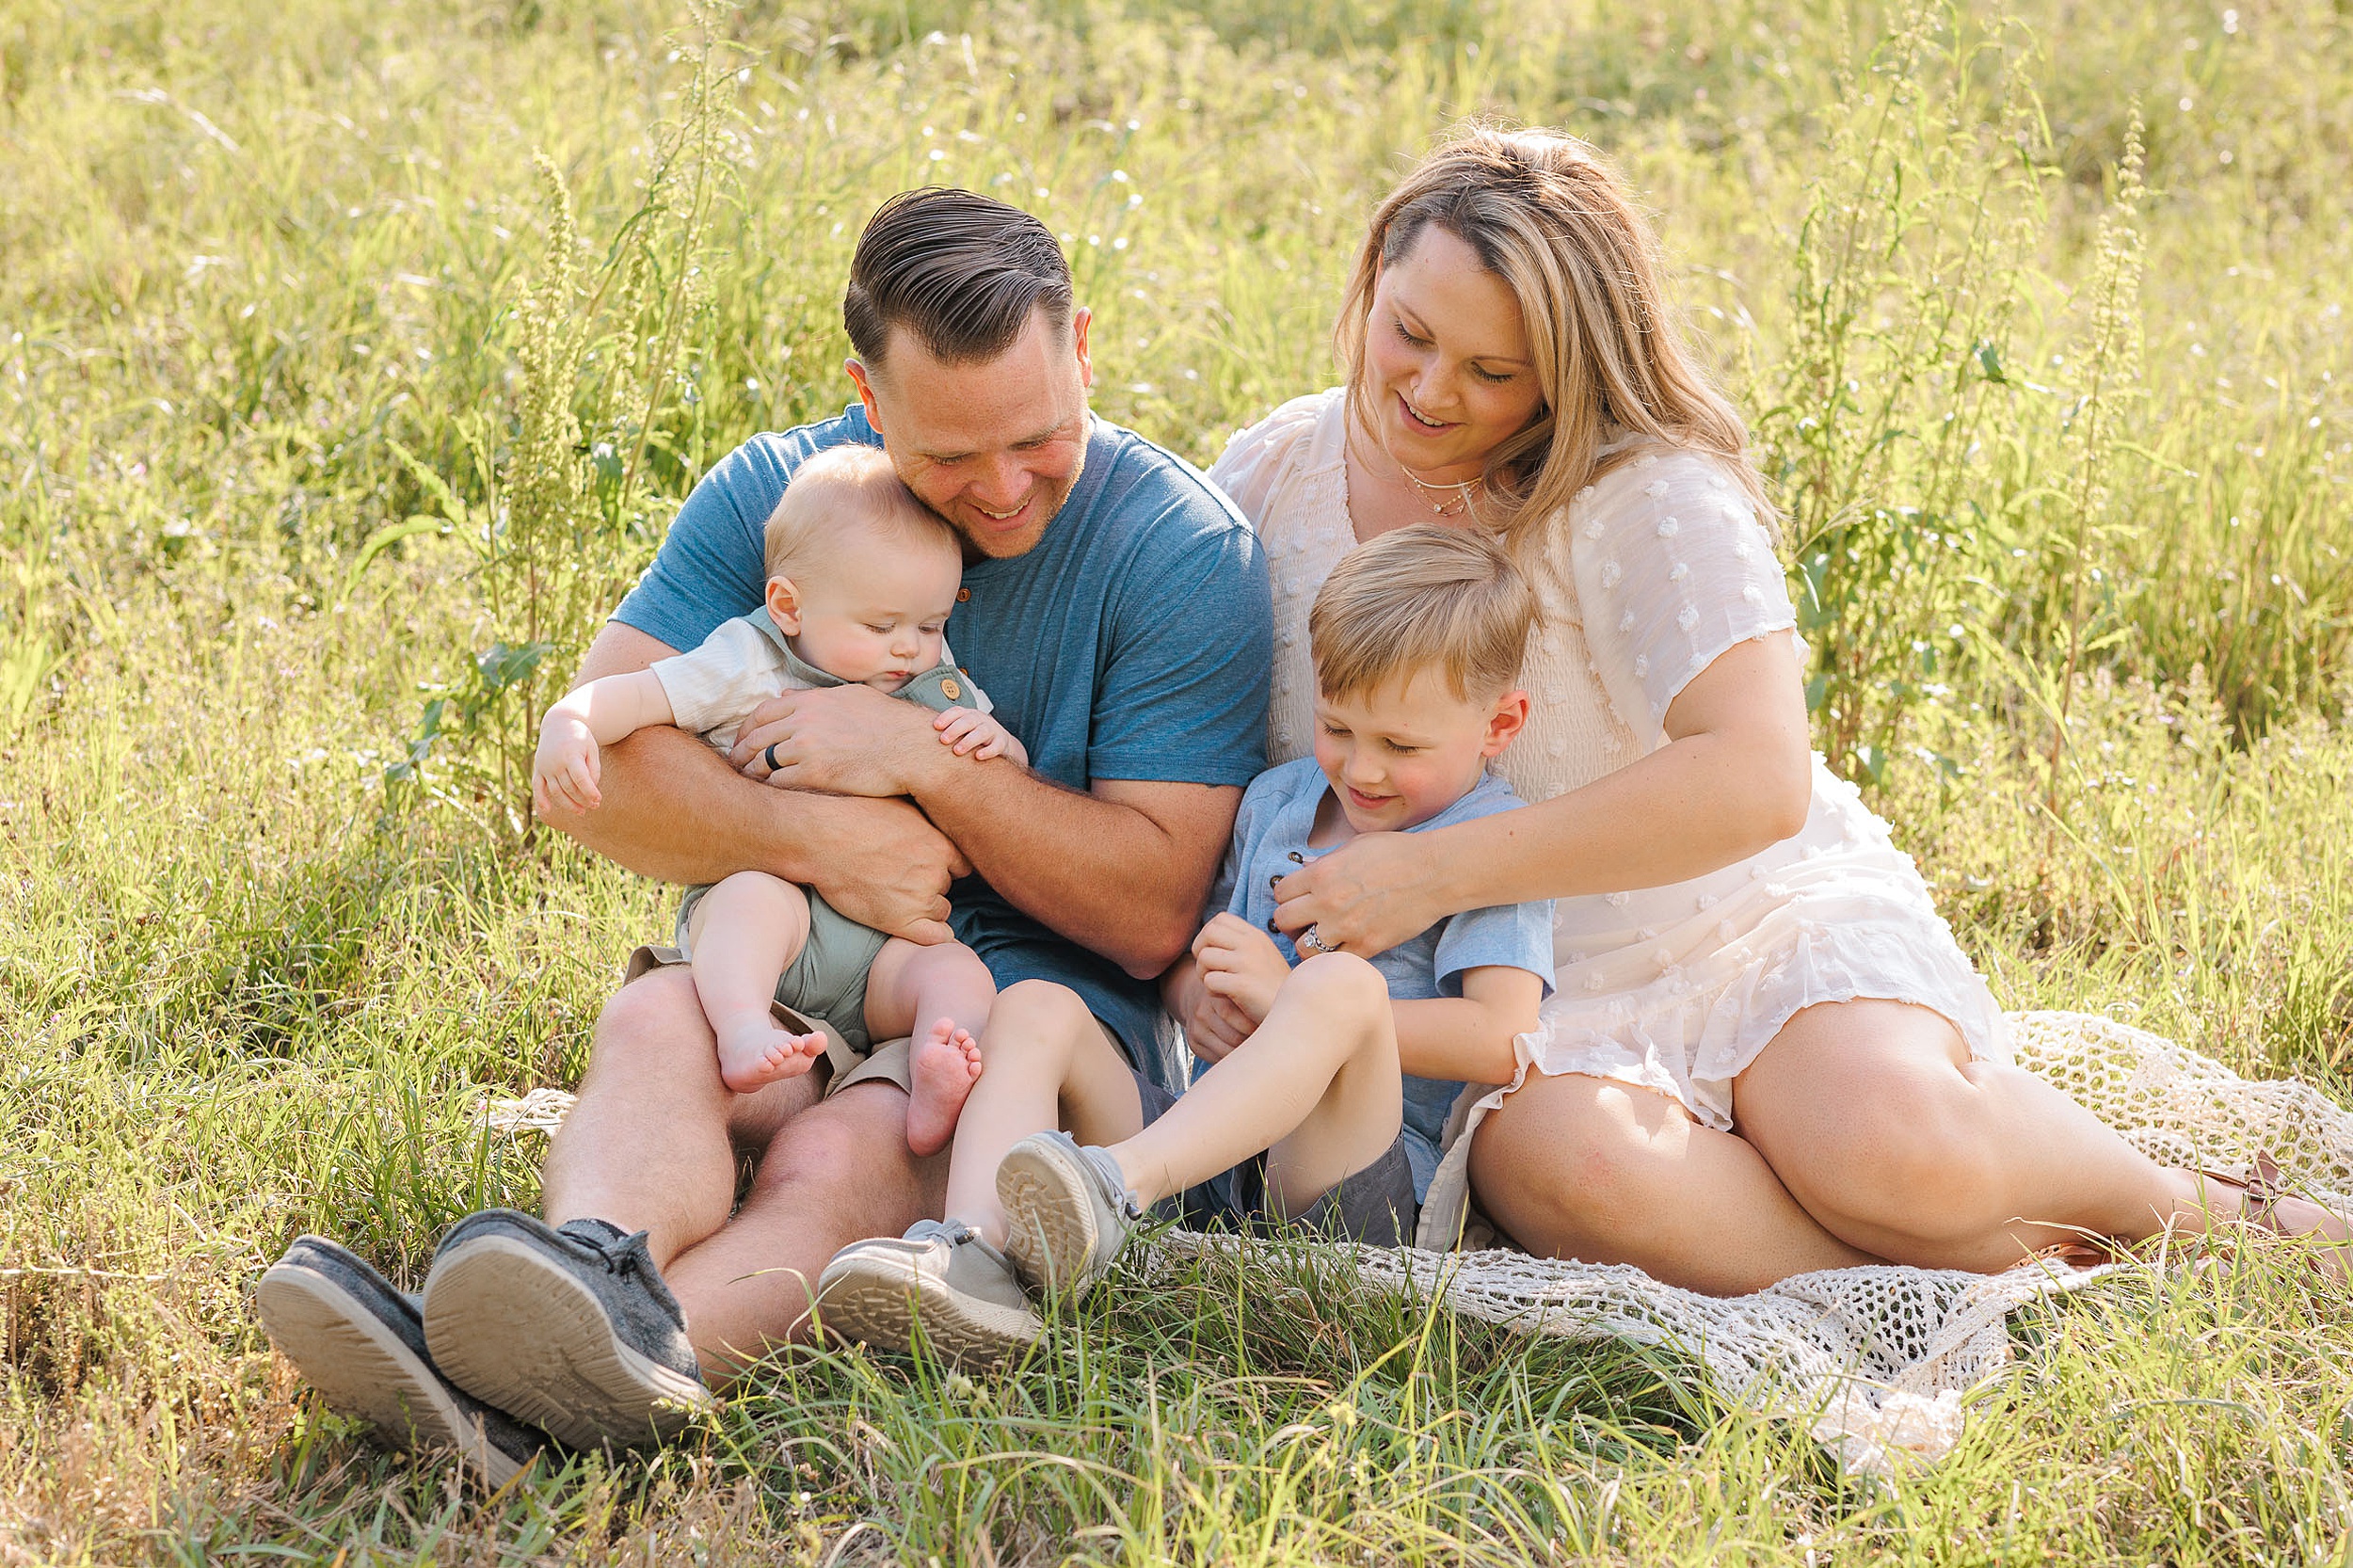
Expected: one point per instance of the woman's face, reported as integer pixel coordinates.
(1446, 359)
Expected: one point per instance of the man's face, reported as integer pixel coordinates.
(993, 447)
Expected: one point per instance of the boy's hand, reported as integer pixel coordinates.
(564, 770)
(978, 735)
(1241, 964)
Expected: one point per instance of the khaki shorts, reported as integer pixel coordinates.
(827, 979)
(887, 1062)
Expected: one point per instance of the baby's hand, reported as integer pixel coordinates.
(564, 770)
(978, 736)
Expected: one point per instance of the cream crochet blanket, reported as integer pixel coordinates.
(1874, 1360)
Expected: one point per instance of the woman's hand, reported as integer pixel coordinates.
(1365, 897)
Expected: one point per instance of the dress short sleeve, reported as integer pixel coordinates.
(1672, 569)
(1255, 460)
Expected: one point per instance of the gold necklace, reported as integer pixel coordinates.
(1462, 501)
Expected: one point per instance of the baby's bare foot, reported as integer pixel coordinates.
(943, 1063)
(757, 1053)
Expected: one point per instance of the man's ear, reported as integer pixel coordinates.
(863, 378)
(784, 605)
(1505, 724)
(1080, 319)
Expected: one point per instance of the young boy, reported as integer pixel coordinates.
(1417, 638)
(861, 576)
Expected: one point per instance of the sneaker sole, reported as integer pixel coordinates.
(362, 1370)
(880, 1301)
(1049, 1212)
(516, 1332)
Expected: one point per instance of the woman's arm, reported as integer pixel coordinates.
(1469, 1037)
(1736, 775)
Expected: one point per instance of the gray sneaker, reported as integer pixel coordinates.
(362, 1345)
(571, 1328)
(1068, 1208)
(941, 1275)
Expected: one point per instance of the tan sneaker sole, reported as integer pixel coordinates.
(1050, 1214)
(362, 1369)
(878, 1299)
(516, 1332)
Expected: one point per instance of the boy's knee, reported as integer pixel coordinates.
(1342, 980)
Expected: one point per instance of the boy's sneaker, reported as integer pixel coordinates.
(1068, 1209)
(362, 1345)
(941, 1276)
(571, 1328)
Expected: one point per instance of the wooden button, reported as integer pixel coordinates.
(948, 689)
(963, 596)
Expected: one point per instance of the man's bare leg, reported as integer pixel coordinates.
(651, 1143)
(835, 1174)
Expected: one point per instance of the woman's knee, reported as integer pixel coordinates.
(1581, 1157)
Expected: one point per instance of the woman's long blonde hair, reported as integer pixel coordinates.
(1547, 214)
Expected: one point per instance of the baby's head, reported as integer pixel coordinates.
(861, 575)
(1417, 639)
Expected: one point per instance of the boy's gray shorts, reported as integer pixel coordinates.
(1375, 1206)
(822, 991)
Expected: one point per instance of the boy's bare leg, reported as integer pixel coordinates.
(940, 995)
(1317, 1085)
(1050, 1065)
(744, 932)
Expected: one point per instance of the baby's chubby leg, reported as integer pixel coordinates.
(941, 995)
(743, 934)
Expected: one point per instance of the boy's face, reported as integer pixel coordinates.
(870, 607)
(1399, 755)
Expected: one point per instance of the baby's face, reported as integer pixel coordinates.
(1399, 755)
(871, 609)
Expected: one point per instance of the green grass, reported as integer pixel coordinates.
(247, 987)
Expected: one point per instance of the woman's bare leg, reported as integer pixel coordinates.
(1876, 1120)
(1603, 1171)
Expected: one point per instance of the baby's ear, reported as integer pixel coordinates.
(1505, 724)
(784, 605)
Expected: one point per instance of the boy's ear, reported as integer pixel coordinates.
(784, 605)
(1505, 724)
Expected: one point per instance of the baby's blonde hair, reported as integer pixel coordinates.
(1418, 598)
(840, 486)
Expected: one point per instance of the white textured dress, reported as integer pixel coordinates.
(1673, 988)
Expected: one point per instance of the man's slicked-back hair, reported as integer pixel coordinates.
(960, 271)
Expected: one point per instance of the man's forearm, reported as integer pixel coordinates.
(1105, 874)
(674, 809)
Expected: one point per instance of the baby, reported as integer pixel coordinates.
(862, 578)
(1330, 1081)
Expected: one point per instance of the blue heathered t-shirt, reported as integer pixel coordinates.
(1270, 841)
(1133, 643)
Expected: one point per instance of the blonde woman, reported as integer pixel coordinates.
(1765, 1054)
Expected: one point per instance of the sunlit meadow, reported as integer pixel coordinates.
(354, 357)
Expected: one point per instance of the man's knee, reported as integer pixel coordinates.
(657, 1017)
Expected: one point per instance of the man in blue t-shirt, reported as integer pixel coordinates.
(1115, 609)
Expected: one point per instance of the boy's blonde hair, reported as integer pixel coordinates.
(1418, 598)
(842, 484)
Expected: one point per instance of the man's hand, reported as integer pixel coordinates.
(886, 865)
(841, 740)
(1241, 964)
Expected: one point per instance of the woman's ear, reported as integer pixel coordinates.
(784, 605)
(1505, 724)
